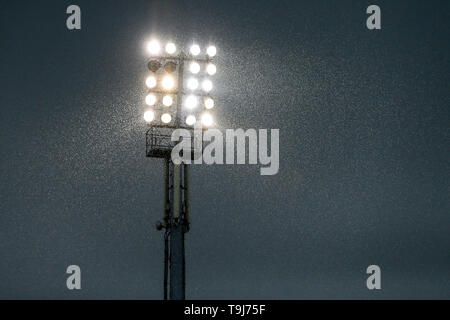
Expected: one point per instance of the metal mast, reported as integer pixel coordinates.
(167, 97)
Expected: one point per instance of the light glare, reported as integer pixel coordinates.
(168, 83)
(190, 120)
(192, 84)
(211, 51)
(191, 102)
(149, 116)
(150, 99)
(194, 67)
(209, 103)
(167, 101)
(211, 69)
(171, 48)
(207, 85)
(207, 120)
(166, 118)
(195, 50)
(153, 47)
(150, 82)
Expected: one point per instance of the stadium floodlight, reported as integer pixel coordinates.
(167, 100)
(153, 47)
(154, 65)
(194, 67)
(166, 118)
(209, 103)
(171, 48)
(211, 51)
(168, 82)
(149, 116)
(150, 82)
(191, 120)
(207, 85)
(195, 50)
(211, 69)
(170, 67)
(207, 119)
(150, 99)
(191, 102)
(192, 84)
(178, 95)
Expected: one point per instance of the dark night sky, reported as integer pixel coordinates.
(364, 150)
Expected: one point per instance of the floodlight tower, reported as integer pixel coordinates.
(176, 102)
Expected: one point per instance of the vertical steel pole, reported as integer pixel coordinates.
(177, 275)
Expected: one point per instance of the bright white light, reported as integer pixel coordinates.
(168, 83)
(166, 118)
(167, 101)
(207, 85)
(191, 102)
(149, 116)
(194, 67)
(190, 120)
(150, 99)
(153, 47)
(150, 82)
(207, 120)
(192, 84)
(195, 50)
(209, 103)
(211, 51)
(171, 48)
(211, 69)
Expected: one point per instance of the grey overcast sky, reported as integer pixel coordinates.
(364, 150)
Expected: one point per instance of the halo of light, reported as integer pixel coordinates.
(149, 116)
(209, 103)
(167, 101)
(192, 84)
(211, 51)
(207, 85)
(153, 47)
(150, 99)
(190, 120)
(168, 82)
(195, 50)
(191, 102)
(211, 69)
(194, 67)
(150, 82)
(166, 118)
(207, 120)
(171, 48)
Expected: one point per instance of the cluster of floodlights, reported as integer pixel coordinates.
(170, 91)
